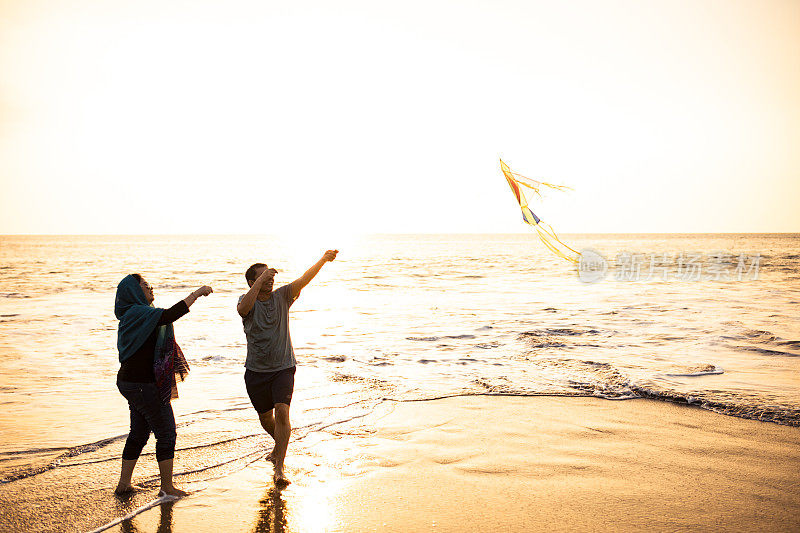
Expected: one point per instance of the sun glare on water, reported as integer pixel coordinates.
(305, 246)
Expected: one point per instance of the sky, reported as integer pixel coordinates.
(319, 117)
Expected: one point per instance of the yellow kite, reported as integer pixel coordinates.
(546, 233)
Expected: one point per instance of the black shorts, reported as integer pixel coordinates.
(268, 388)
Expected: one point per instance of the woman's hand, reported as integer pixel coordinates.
(205, 290)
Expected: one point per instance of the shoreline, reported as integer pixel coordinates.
(676, 400)
(514, 464)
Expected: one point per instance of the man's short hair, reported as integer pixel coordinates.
(250, 275)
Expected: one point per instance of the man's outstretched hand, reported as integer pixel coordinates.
(330, 255)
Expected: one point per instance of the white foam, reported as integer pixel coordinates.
(715, 370)
(158, 501)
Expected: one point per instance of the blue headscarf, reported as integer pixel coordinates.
(137, 318)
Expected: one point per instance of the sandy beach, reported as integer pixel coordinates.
(510, 266)
(515, 464)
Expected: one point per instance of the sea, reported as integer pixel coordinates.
(711, 321)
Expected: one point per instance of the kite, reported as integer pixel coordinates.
(546, 233)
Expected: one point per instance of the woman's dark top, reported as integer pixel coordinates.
(138, 368)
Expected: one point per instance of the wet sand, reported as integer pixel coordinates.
(485, 463)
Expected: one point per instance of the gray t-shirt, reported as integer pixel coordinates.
(266, 326)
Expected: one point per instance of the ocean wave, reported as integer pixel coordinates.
(214, 359)
(431, 339)
(604, 380)
(790, 344)
(614, 384)
(487, 345)
(545, 332)
(779, 414)
(33, 470)
(759, 335)
(567, 338)
(763, 351)
(763, 342)
(31, 451)
(548, 345)
(354, 378)
(695, 370)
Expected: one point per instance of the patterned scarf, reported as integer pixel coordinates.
(168, 364)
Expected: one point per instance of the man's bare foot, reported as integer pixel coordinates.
(172, 491)
(280, 478)
(271, 456)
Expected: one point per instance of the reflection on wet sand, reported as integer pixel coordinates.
(271, 513)
(164, 525)
(247, 501)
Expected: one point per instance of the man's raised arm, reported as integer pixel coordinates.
(297, 285)
(246, 305)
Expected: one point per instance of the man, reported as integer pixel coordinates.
(270, 364)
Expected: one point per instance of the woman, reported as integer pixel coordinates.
(150, 361)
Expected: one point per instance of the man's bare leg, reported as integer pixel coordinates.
(268, 423)
(283, 429)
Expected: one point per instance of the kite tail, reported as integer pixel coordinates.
(534, 184)
(549, 238)
(549, 230)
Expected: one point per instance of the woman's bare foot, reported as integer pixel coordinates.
(172, 491)
(123, 489)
